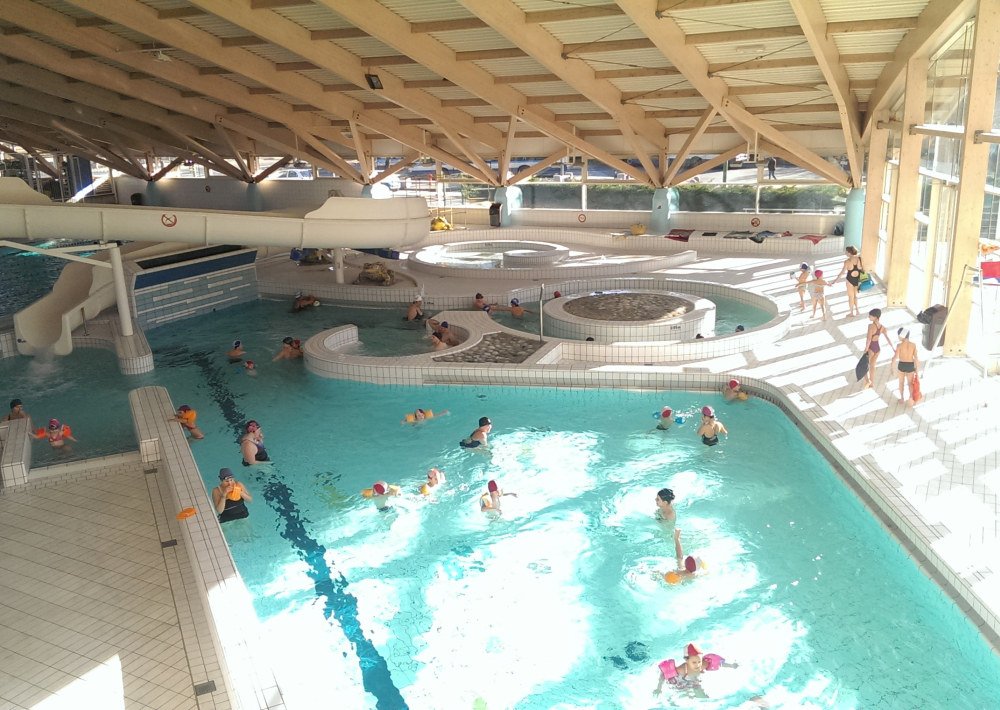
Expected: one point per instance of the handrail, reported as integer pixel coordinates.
(541, 317)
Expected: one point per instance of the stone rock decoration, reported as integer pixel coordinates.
(378, 273)
(496, 347)
(628, 307)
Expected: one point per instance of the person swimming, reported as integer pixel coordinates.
(479, 436)
(434, 479)
(437, 341)
(186, 417)
(710, 427)
(665, 506)
(57, 434)
(415, 311)
(230, 497)
(252, 445)
(489, 502)
(444, 331)
(290, 349)
(303, 302)
(687, 566)
(666, 419)
(732, 390)
(516, 309)
(236, 354)
(381, 493)
(687, 674)
(422, 415)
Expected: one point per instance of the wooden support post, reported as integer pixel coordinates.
(907, 197)
(969, 208)
(874, 187)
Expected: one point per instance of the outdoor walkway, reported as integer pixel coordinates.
(89, 602)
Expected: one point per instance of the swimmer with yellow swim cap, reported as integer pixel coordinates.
(687, 567)
(732, 391)
(434, 479)
(421, 415)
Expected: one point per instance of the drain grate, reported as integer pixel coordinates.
(205, 688)
(168, 543)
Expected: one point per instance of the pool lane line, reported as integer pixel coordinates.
(329, 583)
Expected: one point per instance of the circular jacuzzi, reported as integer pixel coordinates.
(492, 255)
(629, 316)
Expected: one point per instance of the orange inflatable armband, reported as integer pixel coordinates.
(67, 431)
(367, 493)
(671, 578)
(425, 489)
(236, 493)
(40, 433)
(186, 513)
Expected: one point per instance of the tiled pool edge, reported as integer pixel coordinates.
(230, 648)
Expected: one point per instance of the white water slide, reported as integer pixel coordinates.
(352, 222)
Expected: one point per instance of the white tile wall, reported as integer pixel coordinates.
(15, 455)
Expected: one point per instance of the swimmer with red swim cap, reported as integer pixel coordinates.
(732, 390)
(710, 427)
(687, 675)
(666, 419)
(489, 502)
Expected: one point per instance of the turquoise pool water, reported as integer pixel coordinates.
(25, 277)
(561, 603)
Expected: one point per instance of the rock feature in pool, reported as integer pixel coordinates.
(629, 306)
(630, 316)
(496, 347)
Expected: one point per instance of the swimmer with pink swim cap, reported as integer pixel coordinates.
(687, 674)
(710, 427)
(731, 391)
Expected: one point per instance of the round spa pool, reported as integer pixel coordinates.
(492, 255)
(629, 316)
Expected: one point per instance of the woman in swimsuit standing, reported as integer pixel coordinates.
(854, 268)
(906, 353)
(875, 331)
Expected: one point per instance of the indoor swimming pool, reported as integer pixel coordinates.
(561, 603)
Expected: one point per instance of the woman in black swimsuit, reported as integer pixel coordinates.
(875, 332)
(853, 268)
(230, 498)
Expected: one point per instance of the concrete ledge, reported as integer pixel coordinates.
(15, 454)
(232, 640)
(133, 352)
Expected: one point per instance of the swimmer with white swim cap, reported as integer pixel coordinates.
(710, 427)
(434, 479)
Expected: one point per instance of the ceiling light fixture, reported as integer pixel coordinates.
(161, 57)
(373, 81)
(755, 49)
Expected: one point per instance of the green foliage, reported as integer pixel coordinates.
(738, 198)
(561, 196)
(619, 197)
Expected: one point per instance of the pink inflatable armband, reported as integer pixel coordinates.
(712, 662)
(668, 668)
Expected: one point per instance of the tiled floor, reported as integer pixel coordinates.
(87, 613)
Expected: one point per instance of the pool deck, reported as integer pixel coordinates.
(93, 608)
(110, 618)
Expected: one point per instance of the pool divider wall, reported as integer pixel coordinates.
(230, 637)
(15, 452)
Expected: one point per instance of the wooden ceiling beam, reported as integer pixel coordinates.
(387, 26)
(327, 55)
